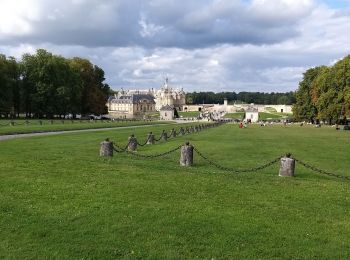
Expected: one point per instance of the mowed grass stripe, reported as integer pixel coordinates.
(59, 199)
(34, 127)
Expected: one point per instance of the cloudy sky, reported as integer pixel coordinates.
(201, 45)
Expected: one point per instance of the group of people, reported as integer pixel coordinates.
(242, 125)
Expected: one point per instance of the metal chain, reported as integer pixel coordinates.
(313, 168)
(154, 155)
(254, 169)
(20, 123)
(118, 151)
(120, 148)
(143, 143)
(157, 140)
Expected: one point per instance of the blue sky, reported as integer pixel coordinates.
(201, 45)
(338, 4)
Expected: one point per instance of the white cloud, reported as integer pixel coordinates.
(214, 45)
(281, 10)
(16, 17)
(148, 29)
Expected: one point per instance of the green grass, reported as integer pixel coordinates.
(265, 116)
(271, 109)
(273, 115)
(154, 115)
(59, 199)
(189, 114)
(262, 115)
(57, 125)
(238, 115)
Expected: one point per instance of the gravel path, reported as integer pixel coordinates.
(6, 137)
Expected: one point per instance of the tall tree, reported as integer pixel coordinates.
(94, 92)
(324, 93)
(304, 108)
(5, 87)
(9, 86)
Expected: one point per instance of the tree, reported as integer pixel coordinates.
(9, 86)
(53, 85)
(5, 87)
(304, 109)
(94, 92)
(15, 85)
(324, 93)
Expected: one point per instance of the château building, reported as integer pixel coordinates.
(170, 96)
(131, 105)
(166, 113)
(140, 103)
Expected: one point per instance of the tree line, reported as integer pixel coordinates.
(48, 85)
(241, 97)
(324, 93)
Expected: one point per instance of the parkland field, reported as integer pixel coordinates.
(10, 127)
(59, 199)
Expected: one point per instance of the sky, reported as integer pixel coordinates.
(200, 45)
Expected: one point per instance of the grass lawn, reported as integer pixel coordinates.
(59, 199)
(237, 115)
(58, 125)
(265, 115)
(189, 114)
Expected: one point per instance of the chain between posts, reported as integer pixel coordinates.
(254, 169)
(154, 155)
(20, 123)
(157, 140)
(221, 167)
(320, 171)
(143, 143)
(121, 150)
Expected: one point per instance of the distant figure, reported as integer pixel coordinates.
(301, 124)
(241, 125)
(337, 127)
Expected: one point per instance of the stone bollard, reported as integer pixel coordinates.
(173, 132)
(132, 143)
(106, 148)
(12, 123)
(150, 138)
(164, 136)
(182, 131)
(186, 158)
(40, 122)
(187, 129)
(27, 122)
(287, 166)
(51, 122)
